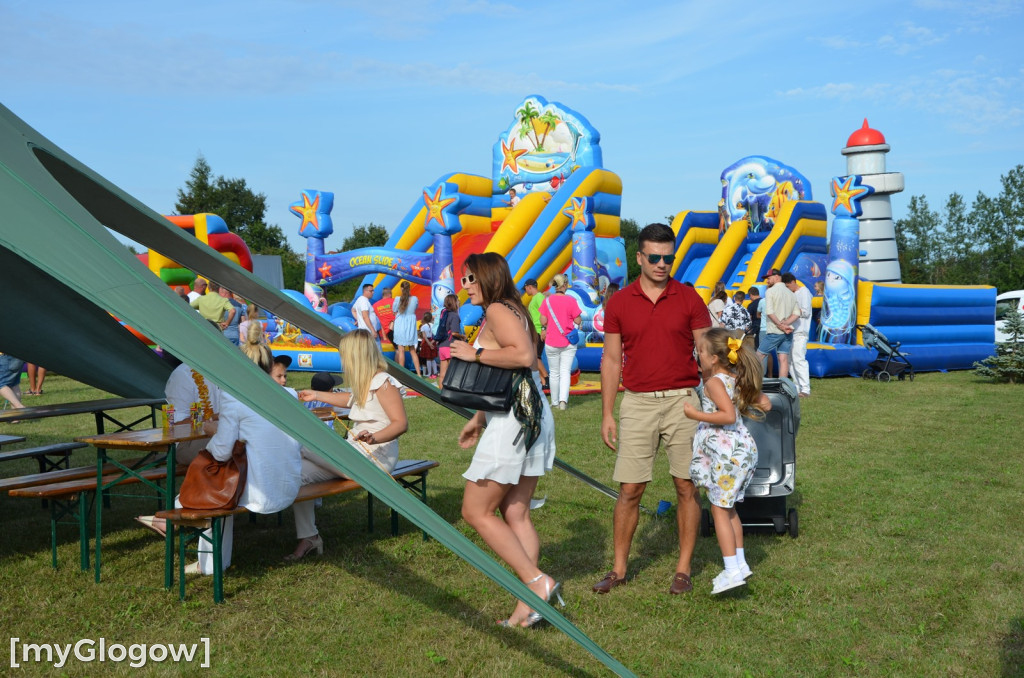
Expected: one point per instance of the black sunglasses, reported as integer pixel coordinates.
(468, 279)
(658, 258)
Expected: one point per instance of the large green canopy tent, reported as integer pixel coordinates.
(55, 252)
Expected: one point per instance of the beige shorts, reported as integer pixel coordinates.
(645, 421)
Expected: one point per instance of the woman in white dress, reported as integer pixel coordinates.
(505, 470)
(377, 416)
(405, 327)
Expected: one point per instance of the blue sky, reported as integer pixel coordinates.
(374, 101)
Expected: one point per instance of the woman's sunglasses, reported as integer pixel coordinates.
(468, 279)
(655, 259)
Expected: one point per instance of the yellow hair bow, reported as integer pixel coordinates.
(734, 345)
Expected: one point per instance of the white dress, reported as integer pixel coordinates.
(500, 459)
(372, 417)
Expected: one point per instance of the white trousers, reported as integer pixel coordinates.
(305, 511)
(799, 369)
(206, 549)
(560, 371)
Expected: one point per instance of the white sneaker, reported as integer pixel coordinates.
(745, 570)
(727, 580)
(562, 405)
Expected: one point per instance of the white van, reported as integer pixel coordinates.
(1005, 303)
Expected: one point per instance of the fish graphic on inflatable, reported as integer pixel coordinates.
(756, 187)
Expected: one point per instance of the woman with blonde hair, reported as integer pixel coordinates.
(517, 446)
(377, 415)
(559, 315)
(405, 327)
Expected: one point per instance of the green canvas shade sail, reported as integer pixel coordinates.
(53, 214)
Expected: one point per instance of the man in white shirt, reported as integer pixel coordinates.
(801, 330)
(362, 311)
(198, 290)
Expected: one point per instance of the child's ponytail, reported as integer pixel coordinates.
(744, 364)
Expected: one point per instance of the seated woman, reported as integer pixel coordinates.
(378, 418)
(274, 461)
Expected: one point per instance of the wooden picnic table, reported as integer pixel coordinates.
(98, 408)
(160, 444)
(10, 440)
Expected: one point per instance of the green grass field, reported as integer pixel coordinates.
(908, 563)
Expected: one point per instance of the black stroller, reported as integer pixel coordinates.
(890, 361)
(775, 476)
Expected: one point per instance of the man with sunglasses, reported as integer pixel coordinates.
(651, 328)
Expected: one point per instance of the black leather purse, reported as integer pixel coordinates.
(476, 386)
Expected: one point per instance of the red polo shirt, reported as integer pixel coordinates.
(657, 336)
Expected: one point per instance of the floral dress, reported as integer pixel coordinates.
(724, 457)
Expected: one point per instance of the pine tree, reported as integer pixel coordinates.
(1008, 362)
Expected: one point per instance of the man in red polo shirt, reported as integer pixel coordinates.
(653, 324)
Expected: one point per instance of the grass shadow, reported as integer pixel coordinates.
(1011, 650)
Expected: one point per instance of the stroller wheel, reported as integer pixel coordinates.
(868, 373)
(779, 522)
(910, 375)
(794, 525)
(883, 376)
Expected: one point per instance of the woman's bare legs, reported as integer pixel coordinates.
(513, 538)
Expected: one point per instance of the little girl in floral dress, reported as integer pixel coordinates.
(724, 452)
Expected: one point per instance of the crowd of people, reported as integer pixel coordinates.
(779, 324)
(719, 346)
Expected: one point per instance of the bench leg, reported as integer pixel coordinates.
(182, 538)
(218, 574)
(83, 532)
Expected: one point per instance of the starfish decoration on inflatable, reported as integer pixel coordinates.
(436, 207)
(308, 212)
(510, 153)
(848, 195)
(325, 271)
(581, 212)
(417, 269)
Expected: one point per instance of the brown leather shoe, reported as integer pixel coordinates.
(610, 581)
(680, 584)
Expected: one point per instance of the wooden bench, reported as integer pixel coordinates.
(10, 440)
(50, 457)
(191, 523)
(59, 476)
(72, 497)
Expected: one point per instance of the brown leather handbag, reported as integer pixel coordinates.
(212, 484)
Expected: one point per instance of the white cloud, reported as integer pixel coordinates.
(971, 102)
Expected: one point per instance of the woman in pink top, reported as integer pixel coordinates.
(559, 315)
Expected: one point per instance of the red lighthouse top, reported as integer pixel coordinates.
(865, 136)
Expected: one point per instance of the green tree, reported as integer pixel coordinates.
(999, 224)
(243, 210)
(367, 235)
(629, 230)
(958, 263)
(918, 240)
(233, 201)
(1007, 365)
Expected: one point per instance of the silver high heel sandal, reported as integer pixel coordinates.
(553, 591)
(306, 546)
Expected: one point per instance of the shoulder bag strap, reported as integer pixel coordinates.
(551, 311)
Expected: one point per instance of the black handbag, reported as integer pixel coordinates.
(476, 386)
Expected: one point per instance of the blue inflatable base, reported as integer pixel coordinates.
(838, 360)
